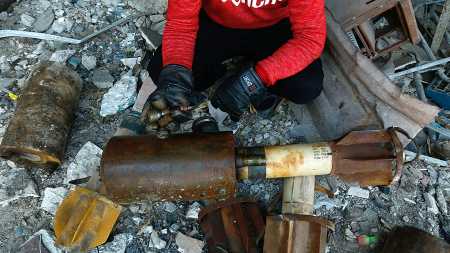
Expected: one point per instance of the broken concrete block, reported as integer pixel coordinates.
(356, 191)
(118, 245)
(44, 21)
(121, 96)
(52, 198)
(89, 61)
(188, 244)
(27, 20)
(156, 242)
(193, 211)
(102, 79)
(86, 162)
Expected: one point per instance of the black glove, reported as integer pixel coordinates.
(235, 95)
(175, 86)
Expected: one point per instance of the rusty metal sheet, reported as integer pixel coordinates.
(188, 167)
(296, 234)
(37, 134)
(413, 240)
(233, 226)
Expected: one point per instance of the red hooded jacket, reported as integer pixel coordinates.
(308, 25)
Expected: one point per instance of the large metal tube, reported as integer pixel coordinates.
(37, 134)
(187, 167)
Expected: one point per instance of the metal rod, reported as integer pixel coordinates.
(420, 68)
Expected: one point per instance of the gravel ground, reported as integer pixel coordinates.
(420, 198)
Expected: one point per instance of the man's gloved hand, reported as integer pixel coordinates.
(235, 95)
(175, 86)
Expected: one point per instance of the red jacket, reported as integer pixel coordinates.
(308, 27)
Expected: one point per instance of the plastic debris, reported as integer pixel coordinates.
(52, 198)
(86, 161)
(188, 244)
(356, 191)
(121, 96)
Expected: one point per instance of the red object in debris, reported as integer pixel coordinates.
(308, 27)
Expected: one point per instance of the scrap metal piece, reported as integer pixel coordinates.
(188, 167)
(413, 240)
(233, 226)
(291, 233)
(85, 220)
(37, 134)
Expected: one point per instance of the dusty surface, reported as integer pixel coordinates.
(406, 203)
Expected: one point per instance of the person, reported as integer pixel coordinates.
(282, 38)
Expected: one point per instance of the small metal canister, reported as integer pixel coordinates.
(37, 134)
(181, 167)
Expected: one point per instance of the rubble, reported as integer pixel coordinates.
(358, 192)
(156, 242)
(188, 244)
(193, 211)
(15, 183)
(47, 240)
(120, 96)
(44, 21)
(52, 197)
(102, 79)
(27, 20)
(62, 56)
(431, 203)
(86, 161)
(117, 245)
(89, 61)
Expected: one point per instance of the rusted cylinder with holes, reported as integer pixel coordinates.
(181, 167)
(37, 134)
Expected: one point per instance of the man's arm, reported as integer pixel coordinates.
(308, 25)
(180, 32)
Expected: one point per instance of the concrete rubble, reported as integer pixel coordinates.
(86, 162)
(52, 198)
(29, 197)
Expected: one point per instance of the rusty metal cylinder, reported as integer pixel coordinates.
(296, 234)
(181, 167)
(37, 134)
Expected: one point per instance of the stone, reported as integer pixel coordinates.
(188, 244)
(170, 207)
(3, 16)
(102, 79)
(15, 183)
(356, 191)
(59, 25)
(442, 202)
(61, 56)
(27, 20)
(86, 162)
(193, 211)
(89, 61)
(430, 201)
(121, 96)
(44, 21)
(147, 230)
(118, 245)
(156, 242)
(52, 198)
